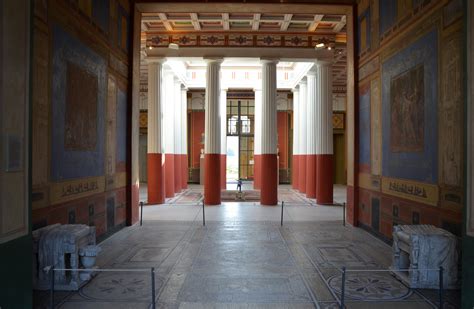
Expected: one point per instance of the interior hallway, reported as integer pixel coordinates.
(243, 258)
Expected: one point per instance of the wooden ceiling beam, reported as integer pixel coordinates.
(314, 24)
(225, 21)
(286, 22)
(195, 21)
(338, 27)
(165, 21)
(256, 22)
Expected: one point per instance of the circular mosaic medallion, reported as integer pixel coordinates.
(370, 286)
(120, 286)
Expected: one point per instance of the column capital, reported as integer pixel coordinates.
(269, 60)
(296, 89)
(303, 81)
(216, 60)
(321, 63)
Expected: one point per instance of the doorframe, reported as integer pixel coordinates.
(322, 7)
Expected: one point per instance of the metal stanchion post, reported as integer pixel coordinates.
(441, 287)
(153, 304)
(282, 204)
(203, 215)
(343, 286)
(51, 294)
(141, 213)
(344, 214)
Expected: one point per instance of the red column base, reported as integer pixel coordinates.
(156, 185)
(257, 174)
(311, 166)
(324, 179)
(133, 209)
(177, 173)
(223, 171)
(302, 174)
(295, 172)
(169, 175)
(184, 171)
(269, 184)
(212, 179)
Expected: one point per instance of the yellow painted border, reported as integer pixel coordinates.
(411, 190)
(66, 191)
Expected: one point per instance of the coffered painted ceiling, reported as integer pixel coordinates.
(249, 33)
(300, 23)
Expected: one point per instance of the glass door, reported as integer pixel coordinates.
(240, 124)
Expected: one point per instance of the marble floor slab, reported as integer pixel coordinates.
(244, 258)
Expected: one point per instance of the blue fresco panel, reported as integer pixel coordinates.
(69, 162)
(364, 127)
(121, 126)
(420, 164)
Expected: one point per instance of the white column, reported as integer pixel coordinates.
(295, 168)
(212, 135)
(302, 143)
(269, 108)
(311, 113)
(257, 139)
(184, 137)
(324, 144)
(296, 121)
(155, 169)
(155, 107)
(269, 160)
(177, 116)
(168, 131)
(311, 120)
(184, 120)
(323, 127)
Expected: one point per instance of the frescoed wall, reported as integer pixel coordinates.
(80, 110)
(410, 114)
(15, 152)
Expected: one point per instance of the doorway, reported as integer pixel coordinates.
(232, 162)
(240, 137)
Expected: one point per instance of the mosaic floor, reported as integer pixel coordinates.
(243, 258)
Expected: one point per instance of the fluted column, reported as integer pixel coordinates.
(223, 107)
(324, 145)
(311, 159)
(295, 162)
(168, 133)
(155, 157)
(177, 135)
(212, 135)
(302, 137)
(257, 139)
(269, 160)
(184, 138)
